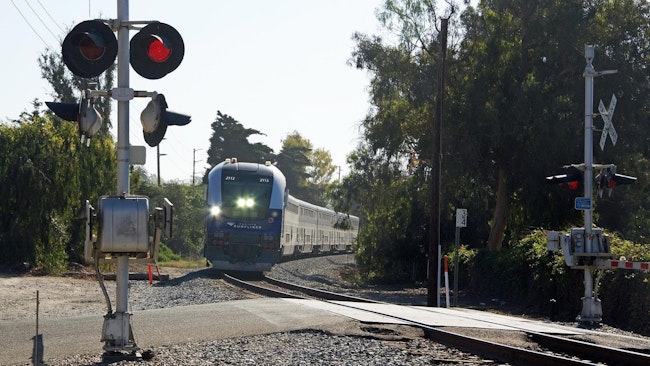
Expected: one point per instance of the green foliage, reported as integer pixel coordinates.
(293, 161)
(513, 103)
(189, 211)
(392, 240)
(465, 261)
(189, 214)
(523, 273)
(527, 274)
(44, 174)
(230, 140)
(628, 250)
(167, 255)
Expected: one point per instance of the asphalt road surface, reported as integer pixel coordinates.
(177, 325)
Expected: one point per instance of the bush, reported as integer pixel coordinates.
(166, 255)
(465, 262)
(625, 294)
(526, 274)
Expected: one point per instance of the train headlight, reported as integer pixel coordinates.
(215, 210)
(245, 202)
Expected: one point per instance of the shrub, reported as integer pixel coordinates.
(166, 255)
(526, 274)
(625, 294)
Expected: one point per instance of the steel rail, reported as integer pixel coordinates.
(610, 355)
(488, 349)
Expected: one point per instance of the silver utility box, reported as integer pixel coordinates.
(123, 224)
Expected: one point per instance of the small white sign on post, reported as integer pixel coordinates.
(461, 217)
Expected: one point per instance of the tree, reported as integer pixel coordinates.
(98, 165)
(321, 169)
(230, 140)
(514, 102)
(41, 176)
(293, 161)
(46, 174)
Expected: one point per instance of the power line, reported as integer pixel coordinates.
(30, 26)
(48, 14)
(42, 22)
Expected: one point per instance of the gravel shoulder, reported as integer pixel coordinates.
(79, 293)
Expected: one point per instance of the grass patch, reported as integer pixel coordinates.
(183, 263)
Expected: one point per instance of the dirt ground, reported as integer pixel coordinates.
(72, 294)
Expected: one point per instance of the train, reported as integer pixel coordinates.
(252, 222)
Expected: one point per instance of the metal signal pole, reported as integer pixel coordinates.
(89, 49)
(591, 305)
(123, 160)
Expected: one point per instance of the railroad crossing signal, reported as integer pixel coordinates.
(89, 49)
(572, 180)
(607, 115)
(156, 50)
(608, 179)
(155, 118)
(84, 113)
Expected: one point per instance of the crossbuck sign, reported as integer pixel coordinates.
(607, 116)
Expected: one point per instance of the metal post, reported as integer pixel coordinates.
(456, 265)
(122, 277)
(589, 149)
(117, 333)
(193, 165)
(123, 157)
(591, 308)
(122, 274)
(158, 162)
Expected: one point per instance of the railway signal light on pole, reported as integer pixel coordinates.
(571, 180)
(84, 113)
(156, 50)
(89, 49)
(155, 118)
(608, 179)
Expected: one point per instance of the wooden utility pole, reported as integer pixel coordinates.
(433, 298)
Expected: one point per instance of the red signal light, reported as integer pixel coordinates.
(571, 180)
(157, 51)
(89, 49)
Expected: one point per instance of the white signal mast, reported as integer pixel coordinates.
(587, 247)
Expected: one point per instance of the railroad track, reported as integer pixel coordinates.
(557, 350)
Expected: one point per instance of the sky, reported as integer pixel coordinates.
(274, 66)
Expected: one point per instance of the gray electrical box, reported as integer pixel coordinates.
(123, 224)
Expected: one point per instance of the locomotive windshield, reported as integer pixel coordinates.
(245, 195)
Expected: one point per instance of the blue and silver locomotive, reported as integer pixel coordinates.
(252, 221)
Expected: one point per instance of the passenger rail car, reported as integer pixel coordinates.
(252, 222)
